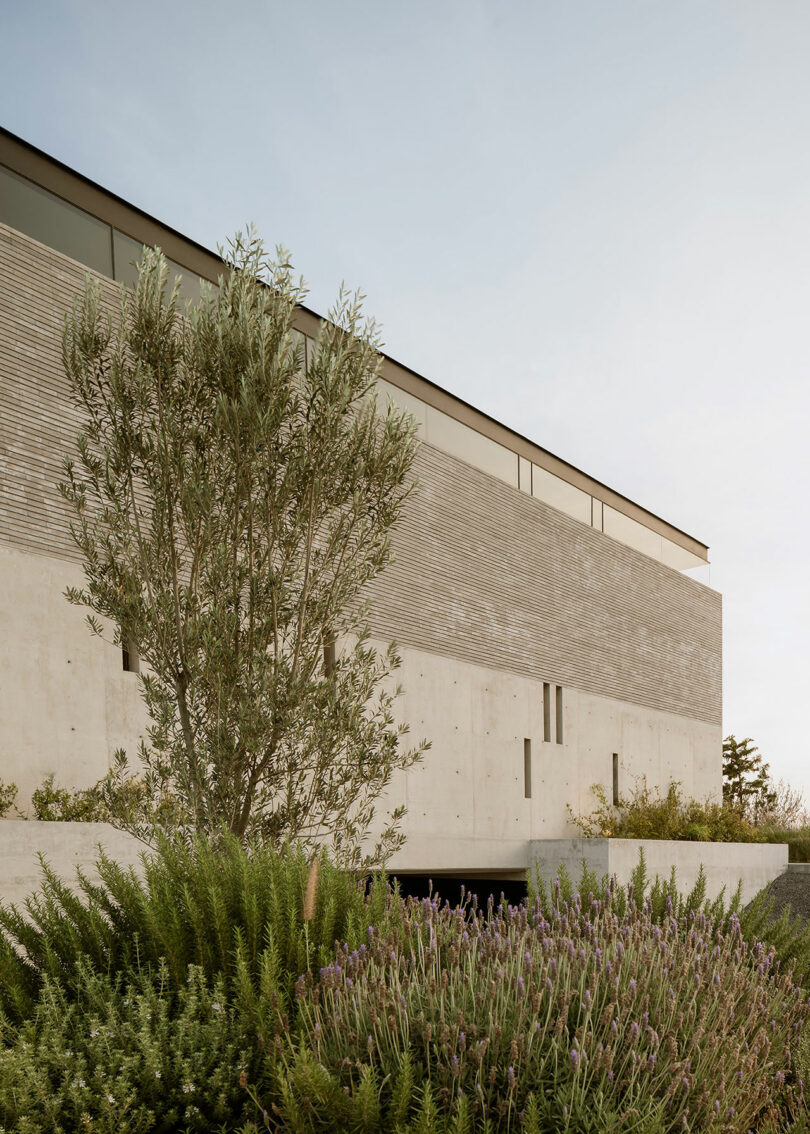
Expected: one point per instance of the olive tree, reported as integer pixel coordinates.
(231, 499)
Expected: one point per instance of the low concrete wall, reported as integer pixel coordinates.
(65, 846)
(725, 864)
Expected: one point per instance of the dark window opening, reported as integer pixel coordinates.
(527, 768)
(615, 779)
(329, 658)
(129, 656)
(546, 712)
(559, 714)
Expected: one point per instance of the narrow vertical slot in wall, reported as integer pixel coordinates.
(559, 714)
(129, 656)
(615, 779)
(329, 658)
(546, 712)
(527, 768)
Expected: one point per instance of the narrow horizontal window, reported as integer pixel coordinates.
(47, 218)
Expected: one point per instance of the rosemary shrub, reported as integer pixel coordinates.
(232, 912)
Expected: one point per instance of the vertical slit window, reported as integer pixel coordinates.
(329, 658)
(615, 779)
(546, 712)
(527, 768)
(129, 656)
(559, 707)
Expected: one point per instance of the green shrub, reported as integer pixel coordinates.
(56, 804)
(8, 798)
(135, 1057)
(787, 933)
(549, 1019)
(646, 814)
(226, 910)
(797, 839)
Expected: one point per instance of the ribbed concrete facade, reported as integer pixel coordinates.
(497, 598)
(489, 575)
(483, 572)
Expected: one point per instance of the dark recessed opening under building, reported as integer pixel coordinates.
(452, 888)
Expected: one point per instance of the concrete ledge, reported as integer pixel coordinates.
(798, 868)
(755, 865)
(65, 846)
(446, 854)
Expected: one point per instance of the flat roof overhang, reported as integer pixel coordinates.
(58, 178)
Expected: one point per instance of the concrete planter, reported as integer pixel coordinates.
(64, 846)
(725, 864)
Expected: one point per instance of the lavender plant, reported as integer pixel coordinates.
(565, 1018)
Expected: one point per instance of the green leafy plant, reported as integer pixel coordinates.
(138, 1056)
(57, 804)
(8, 798)
(233, 912)
(567, 1013)
(647, 814)
(232, 499)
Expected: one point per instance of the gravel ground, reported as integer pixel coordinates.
(792, 889)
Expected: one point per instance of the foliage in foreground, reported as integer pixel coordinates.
(142, 992)
(233, 913)
(570, 1014)
(232, 497)
(136, 1057)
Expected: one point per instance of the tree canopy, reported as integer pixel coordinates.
(746, 778)
(232, 496)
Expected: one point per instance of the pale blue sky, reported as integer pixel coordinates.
(590, 219)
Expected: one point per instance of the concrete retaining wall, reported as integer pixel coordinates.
(65, 846)
(726, 864)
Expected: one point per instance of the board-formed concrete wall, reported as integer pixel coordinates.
(493, 593)
(483, 572)
(754, 865)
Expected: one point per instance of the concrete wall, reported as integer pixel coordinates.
(493, 593)
(65, 701)
(725, 864)
(489, 575)
(68, 846)
(484, 572)
(471, 785)
(65, 846)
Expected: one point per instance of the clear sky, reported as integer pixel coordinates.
(590, 219)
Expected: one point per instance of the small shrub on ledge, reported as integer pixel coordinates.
(647, 814)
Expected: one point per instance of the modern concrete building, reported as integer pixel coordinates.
(552, 636)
